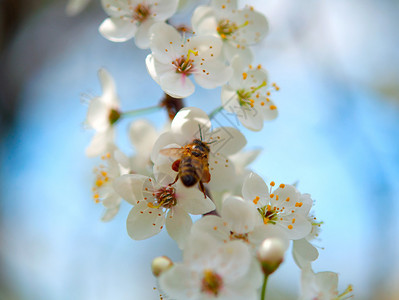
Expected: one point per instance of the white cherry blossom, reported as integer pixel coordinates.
(213, 270)
(157, 204)
(237, 28)
(192, 123)
(134, 18)
(102, 113)
(115, 165)
(284, 207)
(321, 286)
(174, 59)
(302, 250)
(247, 95)
(238, 221)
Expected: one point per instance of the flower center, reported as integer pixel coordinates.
(114, 115)
(141, 12)
(239, 236)
(226, 28)
(165, 197)
(212, 283)
(184, 65)
(245, 96)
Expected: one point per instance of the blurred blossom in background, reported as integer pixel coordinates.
(337, 63)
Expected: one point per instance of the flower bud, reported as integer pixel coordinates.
(271, 254)
(160, 264)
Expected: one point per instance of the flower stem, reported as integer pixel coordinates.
(263, 295)
(215, 111)
(141, 111)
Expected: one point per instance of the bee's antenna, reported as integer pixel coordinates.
(199, 126)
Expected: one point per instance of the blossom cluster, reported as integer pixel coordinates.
(192, 167)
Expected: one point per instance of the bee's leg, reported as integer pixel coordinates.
(176, 179)
(202, 188)
(175, 165)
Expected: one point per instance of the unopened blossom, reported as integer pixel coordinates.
(174, 59)
(134, 18)
(114, 164)
(102, 114)
(212, 270)
(192, 123)
(285, 207)
(247, 95)
(303, 250)
(158, 204)
(237, 28)
(321, 286)
(238, 221)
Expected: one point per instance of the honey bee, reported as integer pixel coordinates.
(192, 163)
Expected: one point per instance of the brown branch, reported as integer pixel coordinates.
(172, 105)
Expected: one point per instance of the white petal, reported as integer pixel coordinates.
(192, 200)
(178, 225)
(144, 222)
(288, 196)
(101, 143)
(254, 186)
(109, 214)
(304, 252)
(240, 214)
(164, 42)
(178, 282)
(256, 29)
(98, 115)
(163, 140)
(230, 50)
(112, 200)
(109, 95)
(163, 172)
(227, 5)
(233, 261)
(250, 118)
(115, 8)
(261, 232)
(213, 225)
(176, 85)
(209, 48)
(142, 36)
(327, 282)
(164, 9)
(204, 20)
(188, 123)
(243, 158)
(229, 140)
(199, 248)
(130, 187)
(222, 172)
(295, 225)
(142, 135)
(213, 74)
(117, 30)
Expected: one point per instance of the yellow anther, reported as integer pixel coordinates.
(290, 226)
(259, 67)
(250, 66)
(99, 182)
(276, 197)
(293, 220)
(262, 103)
(96, 196)
(265, 220)
(288, 199)
(272, 183)
(269, 208)
(244, 75)
(256, 200)
(298, 204)
(104, 173)
(273, 107)
(282, 185)
(108, 155)
(271, 195)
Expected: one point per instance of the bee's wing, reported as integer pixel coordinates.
(172, 152)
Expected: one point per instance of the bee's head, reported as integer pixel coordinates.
(201, 145)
